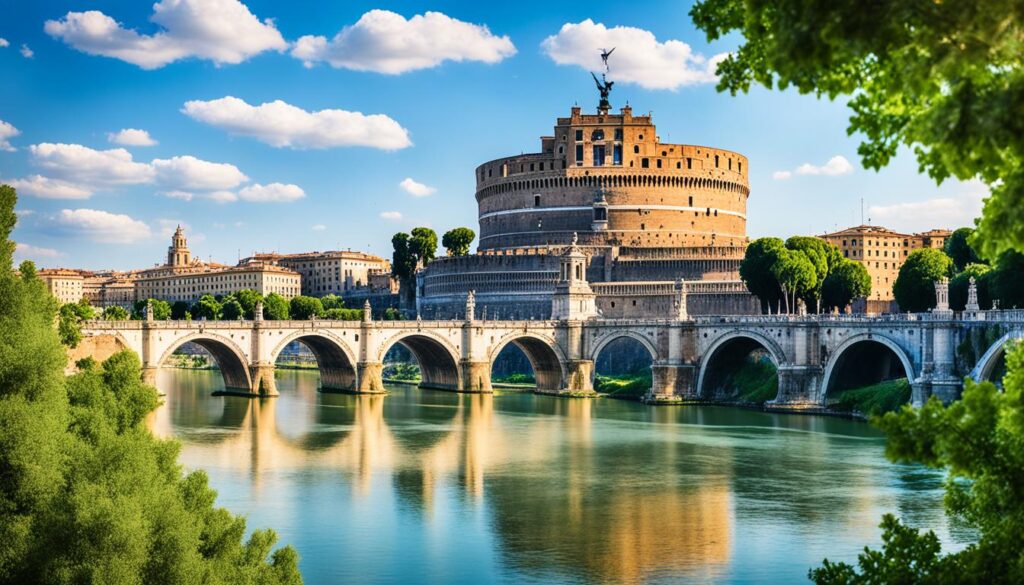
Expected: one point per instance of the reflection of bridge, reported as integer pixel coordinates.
(812, 353)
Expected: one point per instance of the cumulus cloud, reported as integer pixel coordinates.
(101, 226)
(954, 210)
(272, 193)
(416, 189)
(836, 166)
(85, 166)
(319, 227)
(131, 137)
(189, 172)
(175, 194)
(638, 58)
(7, 131)
(281, 124)
(222, 31)
(27, 52)
(29, 252)
(385, 42)
(3, 43)
(391, 215)
(47, 188)
(223, 197)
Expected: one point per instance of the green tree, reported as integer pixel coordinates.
(115, 313)
(161, 310)
(303, 307)
(231, 309)
(403, 259)
(69, 326)
(423, 244)
(977, 441)
(332, 302)
(914, 288)
(248, 299)
(942, 78)
(824, 256)
(756, 270)
(390, 314)
(457, 241)
(275, 308)
(959, 284)
(1005, 281)
(207, 308)
(958, 248)
(343, 314)
(88, 494)
(848, 281)
(179, 309)
(796, 275)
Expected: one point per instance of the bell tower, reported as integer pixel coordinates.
(178, 254)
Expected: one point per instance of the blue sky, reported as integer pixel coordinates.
(437, 95)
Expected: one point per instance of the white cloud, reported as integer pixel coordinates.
(837, 165)
(319, 227)
(101, 226)
(174, 194)
(189, 172)
(27, 52)
(4, 43)
(7, 131)
(29, 252)
(47, 188)
(85, 166)
(385, 42)
(281, 124)
(131, 137)
(222, 31)
(272, 193)
(223, 197)
(416, 189)
(781, 175)
(638, 58)
(955, 210)
(391, 215)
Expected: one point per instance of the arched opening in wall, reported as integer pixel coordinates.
(623, 368)
(528, 361)
(868, 377)
(310, 362)
(421, 360)
(740, 369)
(204, 359)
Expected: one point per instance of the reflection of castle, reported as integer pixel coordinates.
(646, 213)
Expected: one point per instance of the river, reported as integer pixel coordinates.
(423, 486)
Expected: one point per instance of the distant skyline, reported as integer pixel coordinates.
(262, 126)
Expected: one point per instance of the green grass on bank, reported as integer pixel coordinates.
(875, 399)
(757, 381)
(514, 379)
(631, 386)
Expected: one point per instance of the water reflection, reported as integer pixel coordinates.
(519, 488)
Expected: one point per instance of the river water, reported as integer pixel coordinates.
(424, 486)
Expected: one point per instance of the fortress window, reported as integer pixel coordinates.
(730, 164)
(597, 135)
(598, 155)
(643, 226)
(659, 163)
(618, 134)
(691, 201)
(579, 155)
(531, 167)
(679, 165)
(640, 137)
(561, 150)
(579, 135)
(846, 253)
(740, 167)
(536, 200)
(645, 163)
(664, 153)
(617, 154)
(716, 161)
(636, 149)
(600, 214)
(689, 163)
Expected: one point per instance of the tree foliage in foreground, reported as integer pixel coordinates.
(942, 78)
(87, 493)
(979, 441)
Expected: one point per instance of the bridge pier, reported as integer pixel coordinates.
(476, 377)
(579, 377)
(263, 382)
(672, 383)
(369, 379)
(799, 387)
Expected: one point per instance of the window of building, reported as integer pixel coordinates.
(640, 137)
(579, 154)
(691, 201)
(658, 163)
(536, 200)
(579, 135)
(645, 163)
(643, 226)
(740, 165)
(617, 154)
(561, 149)
(636, 149)
(689, 163)
(618, 134)
(716, 161)
(597, 135)
(600, 214)
(598, 155)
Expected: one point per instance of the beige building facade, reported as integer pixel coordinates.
(327, 273)
(67, 286)
(882, 252)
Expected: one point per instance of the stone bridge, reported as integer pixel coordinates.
(813, 354)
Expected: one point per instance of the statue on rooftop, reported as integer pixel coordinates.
(604, 87)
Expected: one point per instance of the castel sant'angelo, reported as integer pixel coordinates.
(657, 222)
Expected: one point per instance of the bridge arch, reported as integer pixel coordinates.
(988, 363)
(544, 354)
(742, 340)
(334, 358)
(601, 342)
(438, 359)
(860, 341)
(230, 358)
